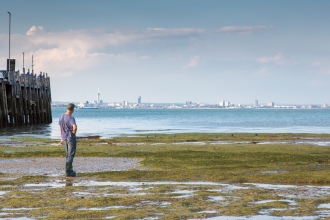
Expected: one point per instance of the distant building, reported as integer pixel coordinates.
(270, 104)
(325, 105)
(227, 104)
(222, 103)
(188, 103)
(139, 100)
(125, 103)
(255, 103)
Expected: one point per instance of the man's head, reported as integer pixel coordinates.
(70, 107)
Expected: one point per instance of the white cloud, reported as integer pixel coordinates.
(181, 31)
(193, 61)
(75, 50)
(244, 29)
(36, 30)
(275, 58)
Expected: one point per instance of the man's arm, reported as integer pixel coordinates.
(74, 129)
(61, 135)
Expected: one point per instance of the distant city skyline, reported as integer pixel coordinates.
(174, 51)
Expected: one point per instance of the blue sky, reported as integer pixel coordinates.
(174, 51)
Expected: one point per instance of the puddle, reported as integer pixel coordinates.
(104, 208)
(272, 171)
(274, 142)
(3, 213)
(160, 204)
(17, 209)
(217, 198)
(127, 144)
(270, 186)
(227, 142)
(109, 217)
(81, 193)
(3, 192)
(43, 185)
(189, 143)
(290, 202)
(208, 212)
(323, 213)
(324, 206)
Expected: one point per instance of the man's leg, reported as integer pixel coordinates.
(67, 165)
(71, 151)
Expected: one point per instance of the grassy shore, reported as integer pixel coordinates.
(225, 158)
(245, 161)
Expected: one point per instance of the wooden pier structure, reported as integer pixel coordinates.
(25, 98)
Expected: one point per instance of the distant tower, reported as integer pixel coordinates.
(222, 103)
(98, 96)
(139, 100)
(255, 103)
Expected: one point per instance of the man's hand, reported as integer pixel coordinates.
(61, 142)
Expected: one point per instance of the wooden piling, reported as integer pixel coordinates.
(24, 98)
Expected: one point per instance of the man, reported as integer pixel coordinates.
(68, 129)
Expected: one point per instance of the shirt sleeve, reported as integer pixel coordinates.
(73, 121)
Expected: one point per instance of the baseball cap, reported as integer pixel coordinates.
(70, 106)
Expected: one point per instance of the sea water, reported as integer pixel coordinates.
(115, 122)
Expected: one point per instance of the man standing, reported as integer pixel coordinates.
(68, 129)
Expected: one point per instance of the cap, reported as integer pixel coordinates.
(70, 106)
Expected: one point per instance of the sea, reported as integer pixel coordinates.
(109, 123)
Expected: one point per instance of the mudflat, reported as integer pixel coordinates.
(181, 176)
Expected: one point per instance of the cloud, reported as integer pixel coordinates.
(193, 61)
(75, 50)
(36, 30)
(227, 29)
(275, 58)
(244, 29)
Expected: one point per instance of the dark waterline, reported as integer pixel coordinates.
(114, 122)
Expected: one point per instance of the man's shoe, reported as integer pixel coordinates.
(69, 171)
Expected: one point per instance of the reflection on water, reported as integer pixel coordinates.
(38, 130)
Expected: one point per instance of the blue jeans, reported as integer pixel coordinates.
(70, 145)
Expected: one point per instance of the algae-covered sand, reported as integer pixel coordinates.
(179, 176)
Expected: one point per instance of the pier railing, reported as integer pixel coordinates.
(24, 98)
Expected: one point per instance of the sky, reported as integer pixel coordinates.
(174, 51)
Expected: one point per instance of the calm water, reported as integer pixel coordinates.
(113, 122)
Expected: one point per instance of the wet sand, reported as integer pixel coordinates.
(56, 166)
